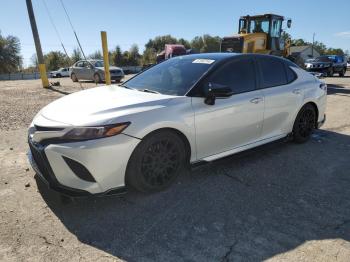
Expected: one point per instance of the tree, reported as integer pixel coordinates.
(184, 42)
(10, 58)
(96, 55)
(76, 55)
(335, 51)
(55, 59)
(285, 36)
(149, 56)
(320, 48)
(159, 42)
(197, 43)
(134, 56)
(299, 42)
(117, 56)
(206, 43)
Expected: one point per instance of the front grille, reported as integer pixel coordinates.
(115, 71)
(40, 160)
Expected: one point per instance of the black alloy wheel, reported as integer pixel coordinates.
(156, 162)
(304, 124)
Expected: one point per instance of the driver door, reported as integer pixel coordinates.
(231, 122)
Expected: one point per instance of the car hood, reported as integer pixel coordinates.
(102, 105)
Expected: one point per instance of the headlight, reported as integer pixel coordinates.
(95, 132)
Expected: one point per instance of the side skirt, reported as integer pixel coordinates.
(243, 148)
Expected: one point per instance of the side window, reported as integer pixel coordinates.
(79, 64)
(273, 72)
(291, 76)
(238, 75)
(276, 28)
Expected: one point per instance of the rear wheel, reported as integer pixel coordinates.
(97, 78)
(156, 162)
(74, 77)
(304, 124)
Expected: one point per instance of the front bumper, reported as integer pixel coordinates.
(106, 159)
(318, 69)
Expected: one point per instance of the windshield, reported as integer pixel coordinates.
(175, 76)
(99, 64)
(324, 59)
(259, 26)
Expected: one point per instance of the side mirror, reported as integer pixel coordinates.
(289, 23)
(217, 91)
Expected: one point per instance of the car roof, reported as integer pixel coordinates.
(227, 56)
(214, 56)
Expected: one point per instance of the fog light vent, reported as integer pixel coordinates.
(79, 170)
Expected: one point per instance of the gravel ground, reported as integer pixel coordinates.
(279, 202)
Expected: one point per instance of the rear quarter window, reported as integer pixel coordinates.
(291, 75)
(273, 72)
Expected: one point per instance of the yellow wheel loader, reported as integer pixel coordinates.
(258, 34)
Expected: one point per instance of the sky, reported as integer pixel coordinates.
(136, 21)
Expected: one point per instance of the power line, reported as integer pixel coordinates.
(70, 22)
(55, 28)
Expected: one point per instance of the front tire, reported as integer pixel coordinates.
(74, 77)
(304, 124)
(156, 162)
(330, 72)
(342, 72)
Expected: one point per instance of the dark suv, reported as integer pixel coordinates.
(327, 65)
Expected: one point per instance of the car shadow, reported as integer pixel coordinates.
(337, 89)
(247, 207)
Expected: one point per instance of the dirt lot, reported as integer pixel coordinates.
(279, 202)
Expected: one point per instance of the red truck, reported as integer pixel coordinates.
(170, 51)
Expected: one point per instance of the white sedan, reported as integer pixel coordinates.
(187, 109)
(62, 72)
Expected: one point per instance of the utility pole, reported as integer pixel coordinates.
(105, 57)
(39, 53)
(313, 43)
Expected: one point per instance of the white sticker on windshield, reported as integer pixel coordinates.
(203, 61)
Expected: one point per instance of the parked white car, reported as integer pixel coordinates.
(185, 110)
(62, 72)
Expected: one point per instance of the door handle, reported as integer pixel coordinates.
(256, 100)
(296, 91)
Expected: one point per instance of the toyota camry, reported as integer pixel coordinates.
(188, 109)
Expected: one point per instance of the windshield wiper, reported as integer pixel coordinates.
(149, 91)
(127, 87)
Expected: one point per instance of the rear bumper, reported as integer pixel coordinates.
(106, 159)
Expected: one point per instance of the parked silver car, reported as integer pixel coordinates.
(94, 70)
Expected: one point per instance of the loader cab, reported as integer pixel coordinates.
(269, 24)
(257, 34)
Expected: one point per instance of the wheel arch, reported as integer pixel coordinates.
(312, 103)
(179, 133)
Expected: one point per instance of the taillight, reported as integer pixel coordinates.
(323, 86)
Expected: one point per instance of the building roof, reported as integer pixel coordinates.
(299, 49)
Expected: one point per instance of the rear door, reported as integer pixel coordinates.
(282, 94)
(231, 122)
